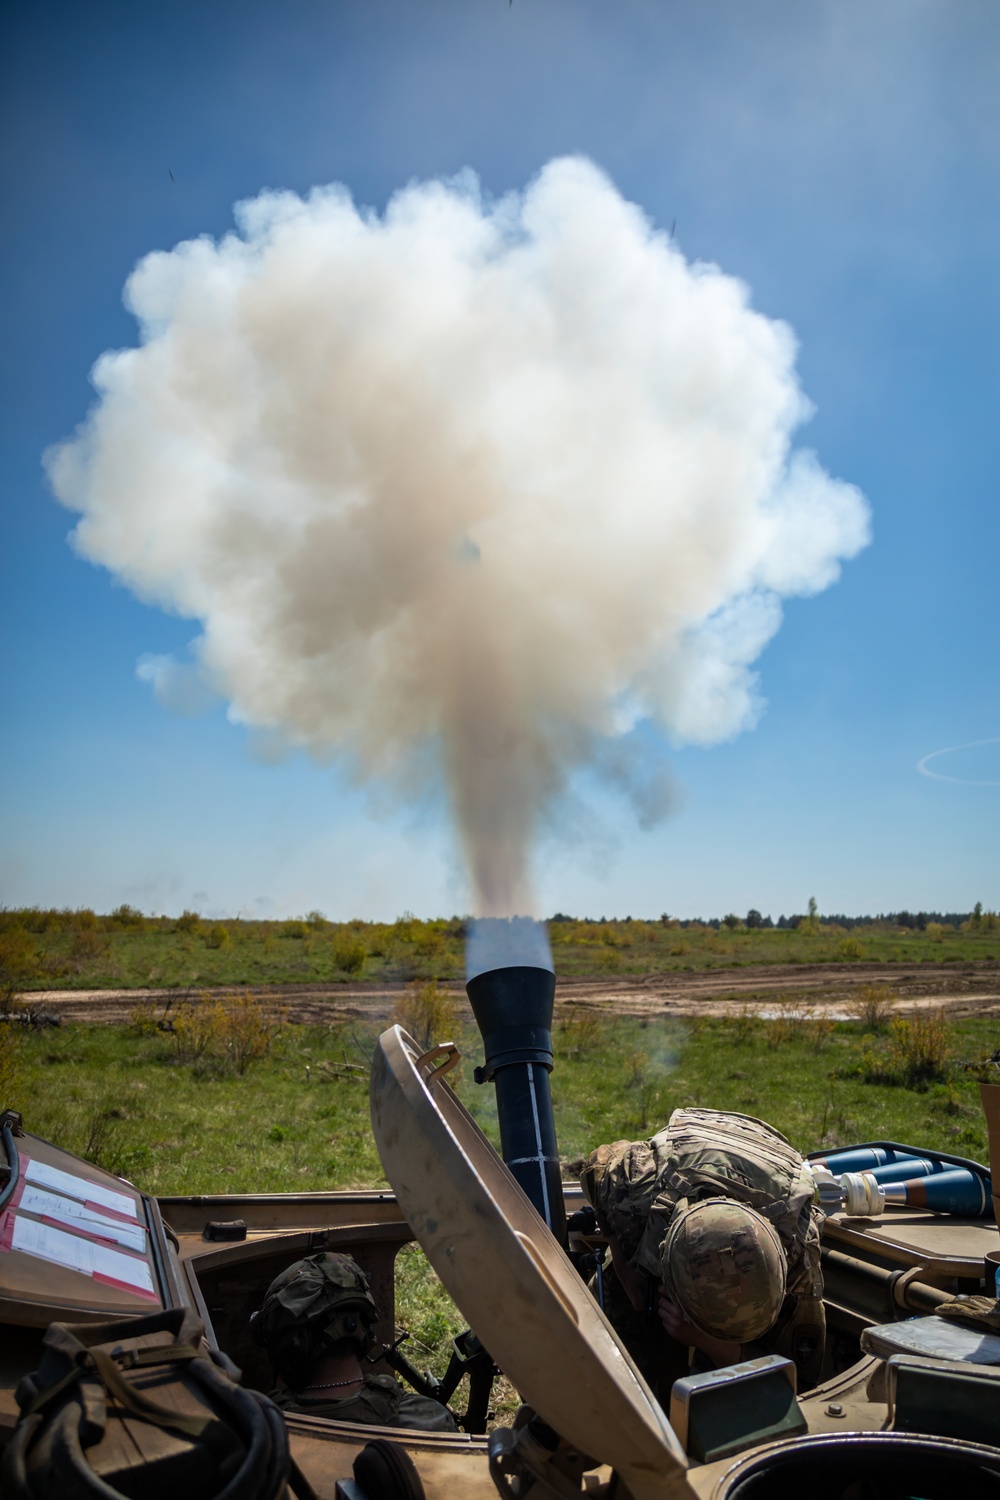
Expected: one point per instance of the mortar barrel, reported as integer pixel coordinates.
(513, 1010)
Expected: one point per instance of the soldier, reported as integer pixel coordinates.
(316, 1326)
(713, 1228)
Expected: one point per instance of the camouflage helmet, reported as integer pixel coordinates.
(724, 1266)
(313, 1305)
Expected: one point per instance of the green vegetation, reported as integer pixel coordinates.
(127, 950)
(178, 1117)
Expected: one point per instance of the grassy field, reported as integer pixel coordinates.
(80, 950)
(298, 1118)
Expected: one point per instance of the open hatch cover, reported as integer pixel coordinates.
(509, 1276)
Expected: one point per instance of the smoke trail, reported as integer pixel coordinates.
(498, 479)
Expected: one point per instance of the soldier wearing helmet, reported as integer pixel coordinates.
(712, 1225)
(316, 1327)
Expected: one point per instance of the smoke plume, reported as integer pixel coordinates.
(489, 480)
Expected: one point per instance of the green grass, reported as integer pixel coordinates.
(124, 1099)
(126, 950)
(78, 950)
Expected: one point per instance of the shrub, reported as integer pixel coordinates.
(431, 942)
(235, 1031)
(248, 1029)
(218, 936)
(874, 1006)
(744, 1024)
(915, 1053)
(87, 945)
(349, 953)
(197, 1028)
(428, 1013)
(188, 921)
(850, 948)
(295, 929)
(380, 940)
(18, 963)
(128, 916)
(581, 1031)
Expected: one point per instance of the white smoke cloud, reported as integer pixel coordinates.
(179, 686)
(497, 479)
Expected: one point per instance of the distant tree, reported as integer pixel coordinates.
(754, 918)
(813, 908)
(731, 920)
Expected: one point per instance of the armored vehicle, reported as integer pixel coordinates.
(908, 1402)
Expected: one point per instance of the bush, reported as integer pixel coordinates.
(128, 916)
(427, 1013)
(235, 1031)
(581, 1031)
(18, 964)
(874, 1006)
(197, 1028)
(295, 929)
(218, 936)
(349, 953)
(248, 1031)
(915, 1053)
(188, 921)
(88, 944)
(850, 948)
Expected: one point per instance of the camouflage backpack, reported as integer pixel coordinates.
(635, 1187)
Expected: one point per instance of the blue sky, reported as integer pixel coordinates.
(841, 159)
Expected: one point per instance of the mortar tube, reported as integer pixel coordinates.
(513, 1010)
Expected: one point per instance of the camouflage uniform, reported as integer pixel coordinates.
(636, 1187)
(381, 1402)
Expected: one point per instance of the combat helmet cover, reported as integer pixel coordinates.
(724, 1266)
(314, 1304)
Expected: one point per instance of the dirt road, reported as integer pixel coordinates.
(963, 988)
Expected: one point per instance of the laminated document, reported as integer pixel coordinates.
(69, 1185)
(90, 1222)
(103, 1263)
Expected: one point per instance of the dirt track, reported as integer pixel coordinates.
(965, 989)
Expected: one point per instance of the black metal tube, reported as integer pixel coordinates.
(513, 1010)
